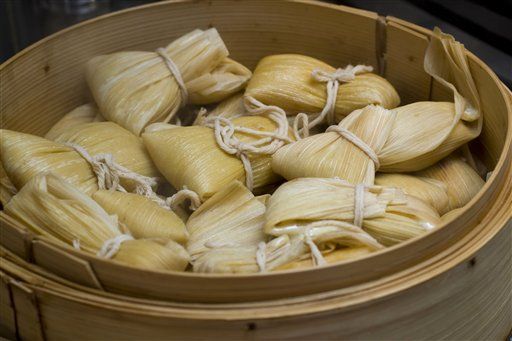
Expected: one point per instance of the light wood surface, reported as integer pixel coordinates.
(426, 288)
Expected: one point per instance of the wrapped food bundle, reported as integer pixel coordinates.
(231, 217)
(86, 113)
(142, 216)
(109, 138)
(135, 89)
(24, 156)
(192, 156)
(447, 185)
(295, 84)
(332, 211)
(49, 206)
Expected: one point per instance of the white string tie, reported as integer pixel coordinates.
(175, 72)
(261, 256)
(356, 141)
(267, 144)
(316, 255)
(359, 204)
(183, 195)
(112, 246)
(333, 80)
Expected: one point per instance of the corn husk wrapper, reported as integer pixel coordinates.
(233, 216)
(228, 108)
(110, 138)
(430, 131)
(7, 189)
(461, 180)
(330, 155)
(431, 191)
(142, 217)
(226, 79)
(242, 259)
(286, 81)
(135, 89)
(336, 256)
(190, 156)
(24, 156)
(86, 113)
(49, 206)
(324, 209)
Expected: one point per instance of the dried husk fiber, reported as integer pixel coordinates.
(49, 206)
(135, 89)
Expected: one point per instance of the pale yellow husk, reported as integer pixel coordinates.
(7, 189)
(190, 156)
(50, 206)
(331, 155)
(431, 191)
(242, 259)
(460, 179)
(336, 256)
(227, 78)
(24, 156)
(233, 216)
(324, 209)
(135, 89)
(86, 113)
(110, 138)
(286, 81)
(142, 216)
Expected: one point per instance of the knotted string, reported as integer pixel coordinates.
(333, 80)
(267, 144)
(356, 141)
(111, 246)
(316, 255)
(175, 72)
(183, 195)
(109, 173)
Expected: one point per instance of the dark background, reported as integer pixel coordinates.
(484, 27)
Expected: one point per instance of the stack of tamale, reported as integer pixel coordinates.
(297, 165)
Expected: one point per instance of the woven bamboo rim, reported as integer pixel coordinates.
(273, 24)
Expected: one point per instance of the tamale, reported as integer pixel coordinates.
(135, 89)
(232, 216)
(86, 113)
(191, 156)
(334, 211)
(110, 138)
(24, 156)
(226, 79)
(335, 256)
(7, 189)
(228, 108)
(48, 205)
(460, 179)
(246, 259)
(431, 191)
(142, 216)
(286, 81)
(332, 155)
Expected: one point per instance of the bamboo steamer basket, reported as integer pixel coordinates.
(428, 287)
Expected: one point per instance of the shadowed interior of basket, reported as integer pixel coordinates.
(45, 82)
